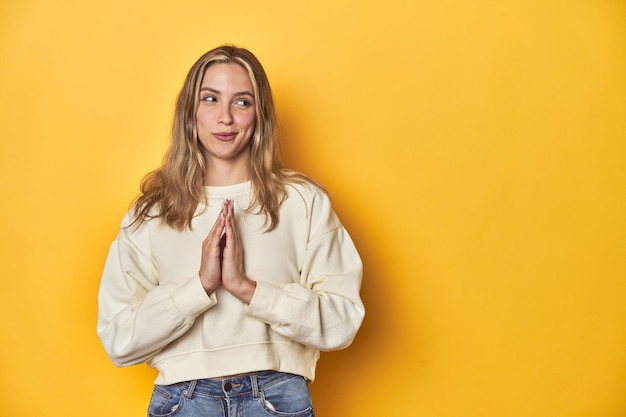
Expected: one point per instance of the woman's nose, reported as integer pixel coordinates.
(225, 115)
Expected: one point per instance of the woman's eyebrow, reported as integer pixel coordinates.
(240, 93)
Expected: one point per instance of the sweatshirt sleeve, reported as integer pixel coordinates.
(323, 308)
(137, 317)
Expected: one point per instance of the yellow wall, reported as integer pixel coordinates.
(476, 151)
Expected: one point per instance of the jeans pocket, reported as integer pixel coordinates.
(166, 400)
(290, 397)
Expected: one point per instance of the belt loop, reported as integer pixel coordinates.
(255, 387)
(192, 387)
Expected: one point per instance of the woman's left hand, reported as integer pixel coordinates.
(233, 275)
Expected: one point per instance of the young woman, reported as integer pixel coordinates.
(230, 273)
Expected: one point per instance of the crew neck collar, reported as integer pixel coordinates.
(225, 191)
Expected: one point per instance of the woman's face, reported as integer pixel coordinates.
(226, 115)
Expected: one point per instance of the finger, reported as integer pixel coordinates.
(228, 229)
(216, 229)
(231, 228)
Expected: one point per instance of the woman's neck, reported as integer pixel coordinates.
(220, 173)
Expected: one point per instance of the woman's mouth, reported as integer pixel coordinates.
(225, 136)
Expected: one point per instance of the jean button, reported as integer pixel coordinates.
(228, 386)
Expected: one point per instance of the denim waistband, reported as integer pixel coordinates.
(235, 385)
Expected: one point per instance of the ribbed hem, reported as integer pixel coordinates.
(283, 357)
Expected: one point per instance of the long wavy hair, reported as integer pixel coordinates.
(173, 192)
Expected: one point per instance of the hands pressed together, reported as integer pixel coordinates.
(222, 257)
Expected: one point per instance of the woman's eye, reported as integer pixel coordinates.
(242, 102)
(209, 99)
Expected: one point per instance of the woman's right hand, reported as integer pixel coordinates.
(211, 260)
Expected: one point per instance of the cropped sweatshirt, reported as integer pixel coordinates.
(152, 307)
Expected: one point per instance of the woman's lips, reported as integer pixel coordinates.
(225, 136)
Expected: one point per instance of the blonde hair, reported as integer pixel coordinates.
(173, 192)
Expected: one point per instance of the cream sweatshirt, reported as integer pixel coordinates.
(152, 307)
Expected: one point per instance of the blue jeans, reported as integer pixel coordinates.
(261, 394)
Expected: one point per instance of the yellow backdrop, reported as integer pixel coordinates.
(476, 151)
